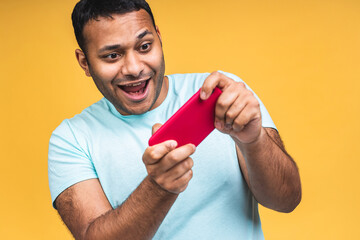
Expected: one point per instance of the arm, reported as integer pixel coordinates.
(269, 171)
(87, 213)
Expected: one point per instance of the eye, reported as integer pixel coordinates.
(145, 47)
(112, 56)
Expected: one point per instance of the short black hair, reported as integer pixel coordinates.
(86, 10)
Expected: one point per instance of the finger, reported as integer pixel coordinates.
(247, 115)
(155, 153)
(245, 98)
(156, 127)
(180, 184)
(176, 156)
(233, 112)
(171, 159)
(179, 169)
(224, 103)
(215, 79)
(183, 181)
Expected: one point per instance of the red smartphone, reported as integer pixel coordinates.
(192, 123)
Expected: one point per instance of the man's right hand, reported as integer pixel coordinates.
(168, 166)
(88, 214)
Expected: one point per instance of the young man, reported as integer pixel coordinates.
(107, 183)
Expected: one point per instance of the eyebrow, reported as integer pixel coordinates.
(117, 46)
(143, 34)
(109, 48)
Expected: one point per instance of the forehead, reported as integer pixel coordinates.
(119, 29)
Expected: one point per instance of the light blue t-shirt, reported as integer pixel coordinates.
(101, 143)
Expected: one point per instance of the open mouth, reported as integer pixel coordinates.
(137, 90)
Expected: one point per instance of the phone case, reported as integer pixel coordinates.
(192, 123)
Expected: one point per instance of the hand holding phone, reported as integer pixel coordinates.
(192, 123)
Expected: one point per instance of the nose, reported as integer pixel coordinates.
(133, 66)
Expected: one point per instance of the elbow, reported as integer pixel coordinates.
(293, 195)
(284, 204)
(293, 202)
(292, 206)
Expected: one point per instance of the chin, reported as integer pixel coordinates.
(138, 111)
(141, 108)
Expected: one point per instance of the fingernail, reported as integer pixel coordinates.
(228, 126)
(173, 144)
(217, 124)
(202, 95)
(221, 125)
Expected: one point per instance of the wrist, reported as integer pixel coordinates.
(258, 141)
(155, 187)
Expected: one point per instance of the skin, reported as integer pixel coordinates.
(116, 55)
(269, 171)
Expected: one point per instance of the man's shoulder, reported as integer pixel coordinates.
(87, 119)
(94, 111)
(189, 76)
(200, 76)
(184, 85)
(194, 80)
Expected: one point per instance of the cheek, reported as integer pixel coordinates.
(155, 59)
(107, 72)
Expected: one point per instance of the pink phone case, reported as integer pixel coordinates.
(192, 123)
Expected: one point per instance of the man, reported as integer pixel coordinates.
(107, 183)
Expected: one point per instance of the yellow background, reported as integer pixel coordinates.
(301, 57)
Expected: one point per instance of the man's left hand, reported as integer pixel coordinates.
(237, 111)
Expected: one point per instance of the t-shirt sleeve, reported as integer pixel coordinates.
(68, 162)
(265, 116)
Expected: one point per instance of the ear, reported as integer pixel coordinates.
(81, 58)
(158, 33)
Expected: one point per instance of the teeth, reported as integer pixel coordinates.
(134, 84)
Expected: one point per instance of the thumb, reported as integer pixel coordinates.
(156, 127)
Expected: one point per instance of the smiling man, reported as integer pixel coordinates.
(123, 55)
(107, 183)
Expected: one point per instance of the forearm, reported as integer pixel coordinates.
(138, 217)
(273, 176)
